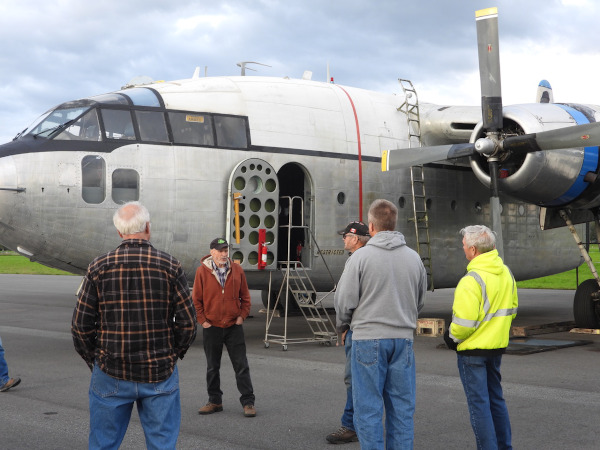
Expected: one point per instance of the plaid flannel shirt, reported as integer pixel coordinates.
(134, 315)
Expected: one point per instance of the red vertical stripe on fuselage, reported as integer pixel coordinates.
(360, 189)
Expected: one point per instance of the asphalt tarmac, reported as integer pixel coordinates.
(553, 397)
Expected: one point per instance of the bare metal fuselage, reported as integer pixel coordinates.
(302, 136)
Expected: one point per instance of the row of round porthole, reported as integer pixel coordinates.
(238, 256)
(255, 222)
(256, 205)
(478, 207)
(253, 167)
(255, 184)
(253, 237)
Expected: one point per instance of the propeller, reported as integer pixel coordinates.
(569, 137)
(495, 146)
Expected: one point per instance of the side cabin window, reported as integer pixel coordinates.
(93, 174)
(125, 186)
(192, 128)
(118, 124)
(152, 125)
(231, 131)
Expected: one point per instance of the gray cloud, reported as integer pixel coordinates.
(59, 51)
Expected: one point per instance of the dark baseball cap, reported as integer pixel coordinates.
(358, 228)
(219, 244)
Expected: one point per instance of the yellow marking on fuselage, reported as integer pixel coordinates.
(384, 167)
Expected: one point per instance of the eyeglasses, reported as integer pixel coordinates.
(347, 234)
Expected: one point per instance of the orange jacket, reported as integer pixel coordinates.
(217, 305)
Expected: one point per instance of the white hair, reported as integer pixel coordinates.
(480, 237)
(131, 218)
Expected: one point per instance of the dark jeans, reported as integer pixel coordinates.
(233, 339)
(348, 416)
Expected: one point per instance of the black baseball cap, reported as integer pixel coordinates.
(219, 244)
(358, 228)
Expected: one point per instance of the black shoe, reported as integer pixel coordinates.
(342, 436)
(10, 384)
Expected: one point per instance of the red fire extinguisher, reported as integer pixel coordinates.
(262, 248)
(263, 257)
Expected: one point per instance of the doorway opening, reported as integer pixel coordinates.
(295, 205)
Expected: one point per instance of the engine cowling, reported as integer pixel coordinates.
(546, 178)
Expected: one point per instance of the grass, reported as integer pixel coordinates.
(13, 263)
(565, 280)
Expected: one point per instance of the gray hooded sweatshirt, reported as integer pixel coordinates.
(381, 290)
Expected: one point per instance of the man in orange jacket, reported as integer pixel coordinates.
(222, 302)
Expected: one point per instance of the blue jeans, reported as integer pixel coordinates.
(111, 402)
(480, 376)
(383, 375)
(348, 416)
(3, 366)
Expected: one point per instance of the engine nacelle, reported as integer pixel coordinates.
(546, 178)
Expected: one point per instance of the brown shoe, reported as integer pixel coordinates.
(210, 408)
(249, 411)
(342, 436)
(11, 383)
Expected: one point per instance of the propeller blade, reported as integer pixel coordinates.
(495, 206)
(414, 156)
(491, 105)
(489, 68)
(587, 135)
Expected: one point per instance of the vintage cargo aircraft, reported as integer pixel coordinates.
(279, 165)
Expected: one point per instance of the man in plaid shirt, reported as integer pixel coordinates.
(134, 317)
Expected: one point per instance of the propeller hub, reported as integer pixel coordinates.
(485, 146)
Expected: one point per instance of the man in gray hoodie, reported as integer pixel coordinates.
(378, 297)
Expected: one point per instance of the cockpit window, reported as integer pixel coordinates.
(55, 121)
(141, 97)
(152, 125)
(114, 98)
(231, 131)
(192, 128)
(118, 124)
(86, 128)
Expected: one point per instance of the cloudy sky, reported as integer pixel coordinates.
(62, 50)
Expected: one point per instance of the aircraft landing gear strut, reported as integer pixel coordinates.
(586, 304)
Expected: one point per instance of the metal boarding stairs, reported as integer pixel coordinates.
(420, 218)
(296, 282)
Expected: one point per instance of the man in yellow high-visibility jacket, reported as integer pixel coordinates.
(485, 303)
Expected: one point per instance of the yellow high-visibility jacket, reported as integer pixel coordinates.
(485, 303)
